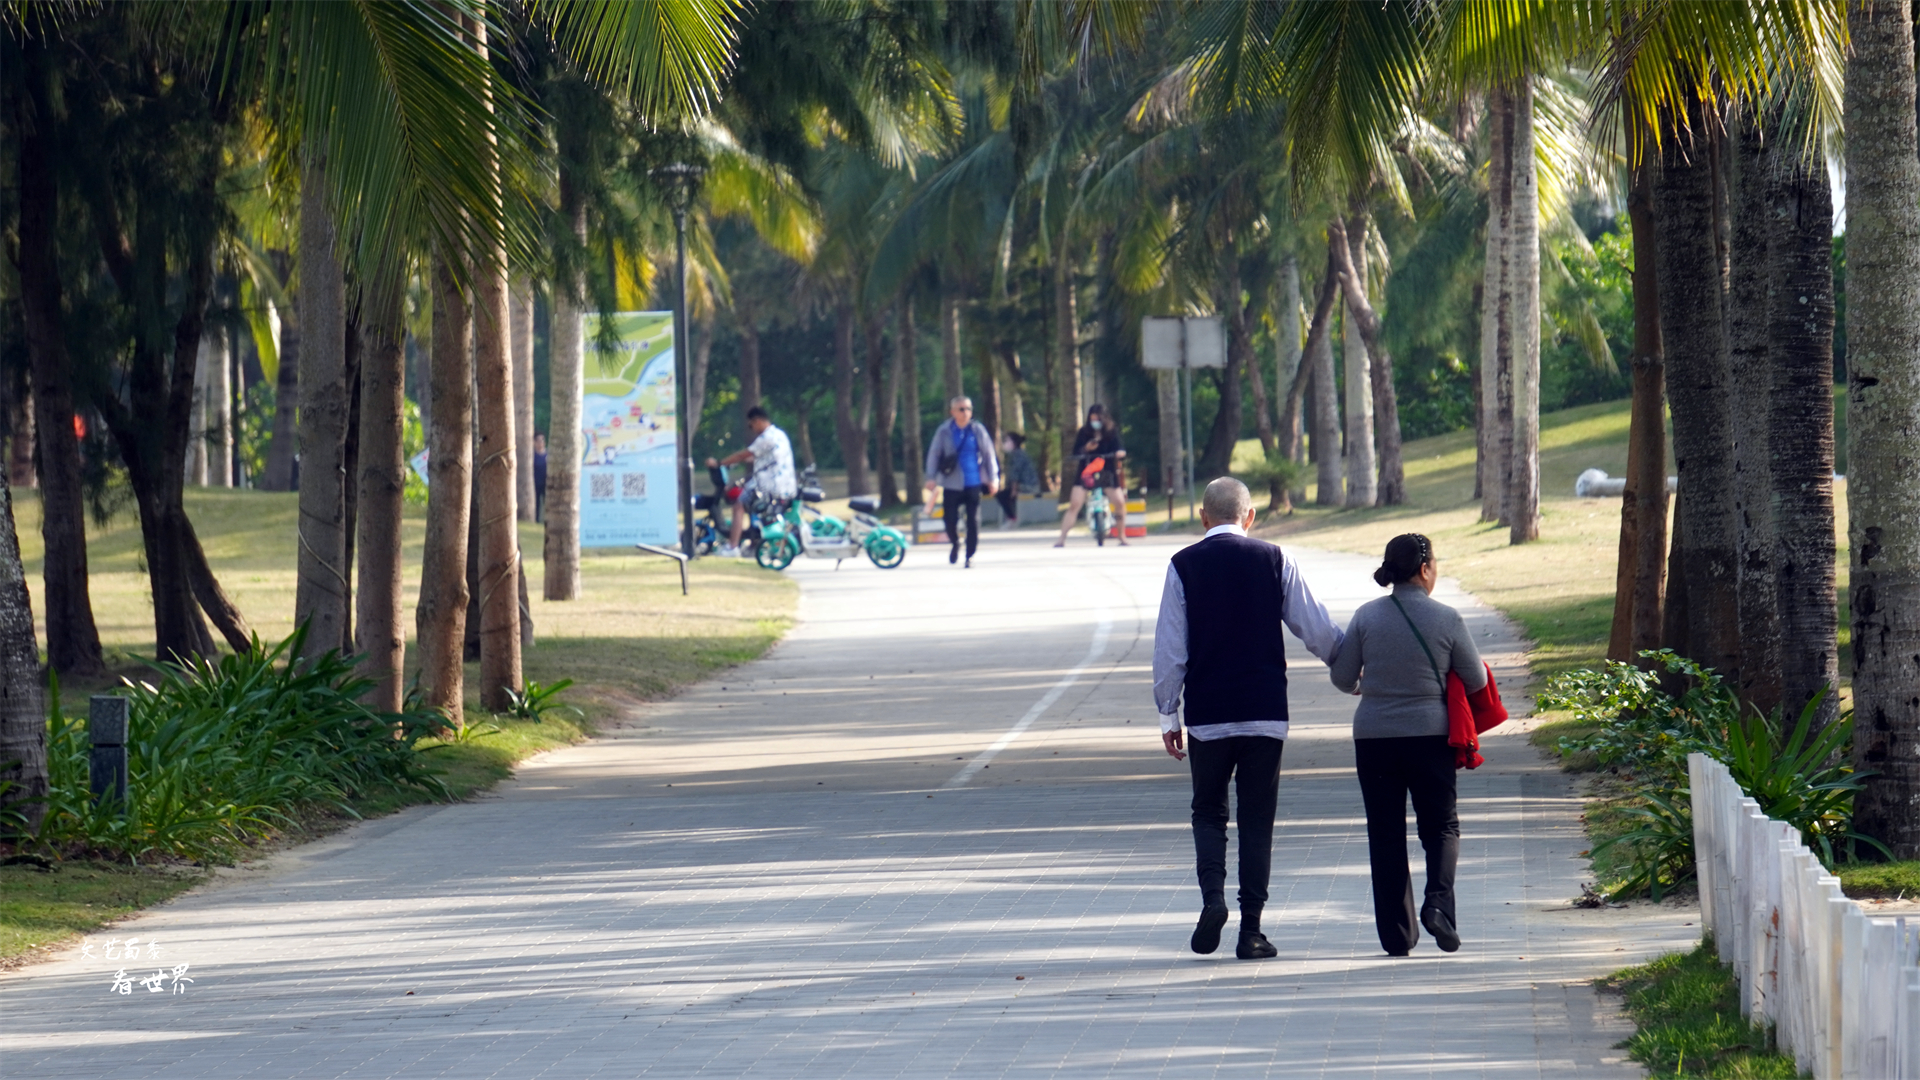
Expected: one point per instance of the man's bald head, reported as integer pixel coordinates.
(1226, 502)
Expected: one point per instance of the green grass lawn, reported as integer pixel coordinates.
(1687, 1007)
(630, 638)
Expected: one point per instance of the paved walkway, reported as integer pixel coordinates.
(931, 834)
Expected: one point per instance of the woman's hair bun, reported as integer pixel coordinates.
(1406, 554)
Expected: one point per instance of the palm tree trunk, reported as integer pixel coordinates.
(495, 468)
(1495, 440)
(1883, 412)
(23, 716)
(1693, 327)
(73, 641)
(803, 429)
(521, 300)
(1640, 583)
(1300, 380)
(887, 363)
(1216, 455)
(565, 380)
(1747, 333)
(278, 474)
(320, 592)
(1257, 384)
(1065, 377)
(196, 463)
(1287, 356)
(846, 419)
(20, 437)
(1800, 448)
(1326, 402)
(441, 616)
(1362, 482)
(909, 361)
(1364, 322)
(749, 358)
(1522, 240)
(219, 413)
(380, 638)
(986, 405)
(950, 339)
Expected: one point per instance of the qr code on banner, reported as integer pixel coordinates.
(602, 486)
(633, 485)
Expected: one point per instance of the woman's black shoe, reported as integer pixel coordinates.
(1441, 927)
(1255, 946)
(1206, 935)
(954, 555)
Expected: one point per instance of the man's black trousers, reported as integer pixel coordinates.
(1391, 770)
(951, 502)
(1252, 762)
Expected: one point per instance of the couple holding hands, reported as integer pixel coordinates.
(1425, 696)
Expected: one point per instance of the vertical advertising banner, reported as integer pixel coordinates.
(628, 492)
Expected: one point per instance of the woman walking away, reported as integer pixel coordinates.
(1396, 655)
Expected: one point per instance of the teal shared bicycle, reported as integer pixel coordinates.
(804, 529)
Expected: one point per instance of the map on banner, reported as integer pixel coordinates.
(628, 490)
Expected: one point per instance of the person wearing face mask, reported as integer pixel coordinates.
(1099, 438)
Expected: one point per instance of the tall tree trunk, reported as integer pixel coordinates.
(521, 299)
(1496, 316)
(441, 615)
(749, 361)
(1641, 580)
(1287, 356)
(73, 642)
(1364, 322)
(1318, 356)
(1883, 412)
(1262, 414)
(196, 463)
(380, 638)
(219, 421)
(888, 363)
(320, 592)
(904, 337)
(1064, 379)
(803, 430)
(565, 381)
(494, 464)
(1800, 447)
(20, 436)
(950, 339)
(699, 360)
(1693, 328)
(986, 405)
(1747, 332)
(1216, 455)
(1522, 239)
(356, 340)
(23, 712)
(283, 447)
(1362, 483)
(846, 413)
(1675, 624)
(1300, 380)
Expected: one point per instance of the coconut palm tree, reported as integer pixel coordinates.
(1883, 410)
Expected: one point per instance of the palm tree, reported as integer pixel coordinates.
(1883, 408)
(23, 717)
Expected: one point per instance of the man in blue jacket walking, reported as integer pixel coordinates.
(961, 462)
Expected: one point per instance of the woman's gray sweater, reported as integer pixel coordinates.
(1399, 695)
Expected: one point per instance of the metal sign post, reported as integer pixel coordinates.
(1182, 343)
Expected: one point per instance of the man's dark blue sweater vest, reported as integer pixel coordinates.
(1236, 657)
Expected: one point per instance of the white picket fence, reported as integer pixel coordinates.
(1841, 989)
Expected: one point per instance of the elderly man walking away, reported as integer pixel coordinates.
(961, 463)
(1219, 639)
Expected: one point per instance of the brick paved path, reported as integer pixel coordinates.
(812, 868)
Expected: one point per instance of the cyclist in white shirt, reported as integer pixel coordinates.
(773, 472)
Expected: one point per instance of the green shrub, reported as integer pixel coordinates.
(222, 753)
(1799, 776)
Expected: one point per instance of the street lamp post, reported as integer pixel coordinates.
(682, 182)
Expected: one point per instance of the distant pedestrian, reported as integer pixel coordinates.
(539, 477)
(1218, 639)
(1018, 477)
(961, 463)
(1398, 651)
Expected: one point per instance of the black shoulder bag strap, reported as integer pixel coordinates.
(1422, 639)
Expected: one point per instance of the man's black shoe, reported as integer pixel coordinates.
(954, 555)
(1441, 927)
(1206, 935)
(1255, 947)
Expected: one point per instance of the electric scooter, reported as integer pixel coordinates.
(805, 530)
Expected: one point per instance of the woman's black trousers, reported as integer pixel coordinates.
(1390, 771)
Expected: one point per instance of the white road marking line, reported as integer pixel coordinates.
(1099, 645)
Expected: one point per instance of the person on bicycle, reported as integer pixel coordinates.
(1098, 443)
(773, 474)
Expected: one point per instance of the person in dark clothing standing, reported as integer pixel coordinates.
(539, 477)
(1219, 640)
(1017, 477)
(1404, 645)
(962, 464)
(1098, 439)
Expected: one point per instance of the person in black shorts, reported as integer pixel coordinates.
(1099, 438)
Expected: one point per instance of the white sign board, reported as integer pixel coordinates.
(1161, 344)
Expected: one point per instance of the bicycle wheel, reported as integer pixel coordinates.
(1100, 529)
(886, 552)
(777, 553)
